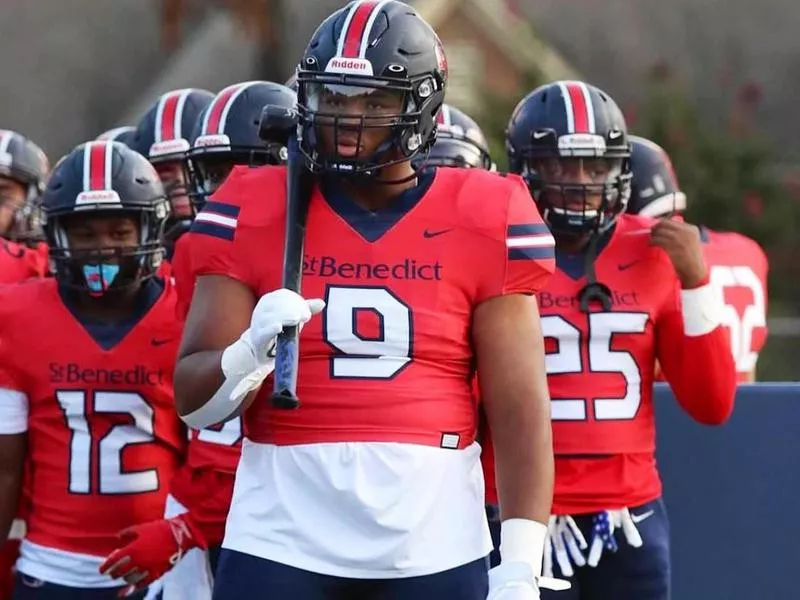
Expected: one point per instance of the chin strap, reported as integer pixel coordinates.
(593, 290)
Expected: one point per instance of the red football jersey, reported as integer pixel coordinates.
(204, 483)
(738, 266)
(218, 447)
(398, 309)
(600, 369)
(182, 274)
(18, 262)
(103, 435)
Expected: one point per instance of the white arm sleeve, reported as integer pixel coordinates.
(13, 412)
(702, 310)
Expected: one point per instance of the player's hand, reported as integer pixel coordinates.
(512, 581)
(516, 581)
(250, 359)
(566, 542)
(151, 549)
(681, 242)
(605, 526)
(276, 310)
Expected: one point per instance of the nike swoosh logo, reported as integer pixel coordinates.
(430, 234)
(537, 135)
(612, 135)
(157, 342)
(626, 266)
(642, 517)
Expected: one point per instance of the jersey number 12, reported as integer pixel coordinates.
(111, 479)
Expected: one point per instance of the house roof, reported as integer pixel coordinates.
(512, 35)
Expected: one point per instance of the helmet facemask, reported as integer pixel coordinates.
(579, 189)
(209, 165)
(105, 271)
(25, 226)
(355, 126)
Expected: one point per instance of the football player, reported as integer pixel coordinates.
(627, 291)
(162, 135)
(372, 489)
(459, 142)
(123, 133)
(86, 375)
(23, 174)
(738, 265)
(200, 492)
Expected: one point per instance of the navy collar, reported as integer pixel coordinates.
(371, 225)
(109, 334)
(574, 265)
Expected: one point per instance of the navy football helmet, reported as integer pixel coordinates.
(655, 191)
(124, 134)
(370, 66)
(227, 134)
(104, 178)
(23, 162)
(459, 142)
(163, 136)
(569, 140)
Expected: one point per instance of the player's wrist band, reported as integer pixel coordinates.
(702, 310)
(522, 540)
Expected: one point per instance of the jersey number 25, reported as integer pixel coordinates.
(568, 359)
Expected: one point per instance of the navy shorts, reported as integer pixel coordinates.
(241, 576)
(629, 573)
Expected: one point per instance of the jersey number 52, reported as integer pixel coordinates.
(754, 315)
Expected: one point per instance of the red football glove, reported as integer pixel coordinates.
(151, 549)
(9, 552)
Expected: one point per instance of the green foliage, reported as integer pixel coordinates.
(727, 170)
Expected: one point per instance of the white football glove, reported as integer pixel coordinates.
(603, 538)
(566, 542)
(521, 549)
(512, 581)
(249, 359)
(516, 581)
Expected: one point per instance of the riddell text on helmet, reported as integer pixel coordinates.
(353, 66)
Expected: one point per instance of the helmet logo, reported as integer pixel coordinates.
(168, 147)
(97, 197)
(220, 139)
(581, 144)
(349, 66)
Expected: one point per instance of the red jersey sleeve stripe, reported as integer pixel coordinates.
(532, 253)
(527, 229)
